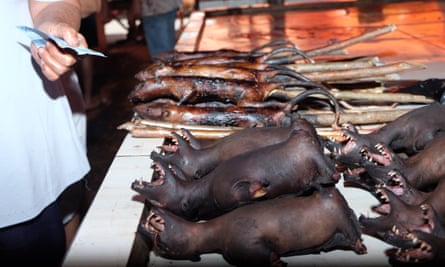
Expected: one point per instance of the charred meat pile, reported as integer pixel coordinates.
(214, 93)
(402, 165)
(253, 196)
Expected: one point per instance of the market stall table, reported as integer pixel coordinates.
(106, 236)
(107, 232)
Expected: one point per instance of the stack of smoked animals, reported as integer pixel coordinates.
(206, 91)
(225, 88)
(403, 165)
(254, 196)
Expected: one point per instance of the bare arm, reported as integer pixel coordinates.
(61, 19)
(88, 7)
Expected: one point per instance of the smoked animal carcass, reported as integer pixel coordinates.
(259, 234)
(195, 160)
(292, 166)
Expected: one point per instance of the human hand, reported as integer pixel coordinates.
(54, 61)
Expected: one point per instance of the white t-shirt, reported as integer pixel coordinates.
(41, 150)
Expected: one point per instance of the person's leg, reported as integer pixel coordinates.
(38, 242)
(159, 31)
(71, 204)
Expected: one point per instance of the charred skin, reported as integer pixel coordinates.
(273, 171)
(195, 89)
(195, 162)
(217, 115)
(211, 71)
(192, 90)
(319, 222)
(221, 71)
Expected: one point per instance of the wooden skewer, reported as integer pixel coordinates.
(333, 66)
(160, 132)
(351, 41)
(357, 73)
(362, 95)
(357, 117)
(320, 119)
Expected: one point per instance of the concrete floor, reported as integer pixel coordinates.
(420, 37)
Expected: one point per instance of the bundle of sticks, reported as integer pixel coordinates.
(214, 93)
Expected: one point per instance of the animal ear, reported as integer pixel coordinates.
(256, 190)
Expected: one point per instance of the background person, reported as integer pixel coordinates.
(158, 22)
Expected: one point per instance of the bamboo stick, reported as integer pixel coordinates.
(153, 132)
(351, 74)
(212, 132)
(331, 66)
(351, 41)
(362, 95)
(178, 126)
(320, 119)
(358, 117)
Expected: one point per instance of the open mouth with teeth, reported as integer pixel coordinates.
(395, 184)
(158, 178)
(153, 223)
(348, 144)
(418, 252)
(408, 247)
(384, 208)
(382, 158)
(170, 144)
(346, 152)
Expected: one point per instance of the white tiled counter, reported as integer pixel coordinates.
(106, 235)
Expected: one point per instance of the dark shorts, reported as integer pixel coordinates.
(37, 242)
